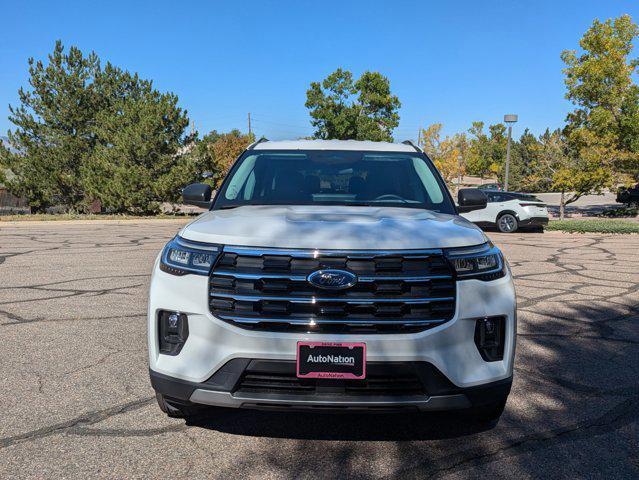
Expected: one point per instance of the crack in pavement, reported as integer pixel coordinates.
(126, 432)
(75, 293)
(99, 361)
(13, 316)
(82, 279)
(4, 256)
(23, 321)
(78, 422)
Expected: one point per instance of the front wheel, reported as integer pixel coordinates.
(175, 410)
(507, 223)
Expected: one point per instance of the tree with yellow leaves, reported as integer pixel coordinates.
(226, 149)
(446, 153)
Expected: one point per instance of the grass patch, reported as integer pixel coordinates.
(38, 217)
(594, 226)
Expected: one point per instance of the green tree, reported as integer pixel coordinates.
(85, 132)
(628, 161)
(203, 155)
(555, 169)
(138, 162)
(602, 130)
(343, 109)
(54, 130)
(479, 158)
(486, 152)
(524, 162)
(497, 149)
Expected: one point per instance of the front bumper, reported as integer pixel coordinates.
(213, 343)
(227, 388)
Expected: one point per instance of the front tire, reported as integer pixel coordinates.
(507, 223)
(175, 410)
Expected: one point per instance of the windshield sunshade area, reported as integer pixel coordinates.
(317, 177)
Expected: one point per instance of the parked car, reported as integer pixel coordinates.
(491, 186)
(628, 195)
(332, 275)
(510, 210)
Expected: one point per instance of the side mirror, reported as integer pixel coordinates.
(469, 199)
(198, 194)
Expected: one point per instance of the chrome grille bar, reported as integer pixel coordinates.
(312, 300)
(324, 321)
(302, 278)
(397, 291)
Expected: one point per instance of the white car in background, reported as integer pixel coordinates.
(510, 210)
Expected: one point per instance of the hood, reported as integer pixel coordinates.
(333, 227)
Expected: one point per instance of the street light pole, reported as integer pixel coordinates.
(509, 119)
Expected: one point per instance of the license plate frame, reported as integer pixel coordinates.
(330, 360)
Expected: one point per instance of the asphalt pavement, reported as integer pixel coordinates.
(76, 401)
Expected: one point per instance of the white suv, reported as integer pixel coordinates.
(332, 275)
(509, 211)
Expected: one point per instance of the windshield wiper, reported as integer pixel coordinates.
(229, 207)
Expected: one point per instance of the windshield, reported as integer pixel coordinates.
(319, 177)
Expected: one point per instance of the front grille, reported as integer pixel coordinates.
(279, 378)
(396, 291)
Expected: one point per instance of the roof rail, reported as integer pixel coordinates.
(410, 142)
(252, 145)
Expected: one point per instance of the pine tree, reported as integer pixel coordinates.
(54, 134)
(84, 132)
(137, 163)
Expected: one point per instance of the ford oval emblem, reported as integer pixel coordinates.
(332, 279)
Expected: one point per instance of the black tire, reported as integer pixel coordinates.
(507, 223)
(175, 410)
(623, 197)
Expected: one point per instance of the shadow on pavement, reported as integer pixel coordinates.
(313, 425)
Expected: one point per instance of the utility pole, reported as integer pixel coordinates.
(509, 119)
(249, 123)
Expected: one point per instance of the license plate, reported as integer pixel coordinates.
(331, 360)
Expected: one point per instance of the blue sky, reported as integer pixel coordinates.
(449, 62)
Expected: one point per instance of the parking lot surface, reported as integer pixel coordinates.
(76, 400)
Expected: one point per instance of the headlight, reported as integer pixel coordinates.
(181, 256)
(484, 262)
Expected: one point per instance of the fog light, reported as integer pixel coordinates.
(173, 321)
(490, 337)
(173, 330)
